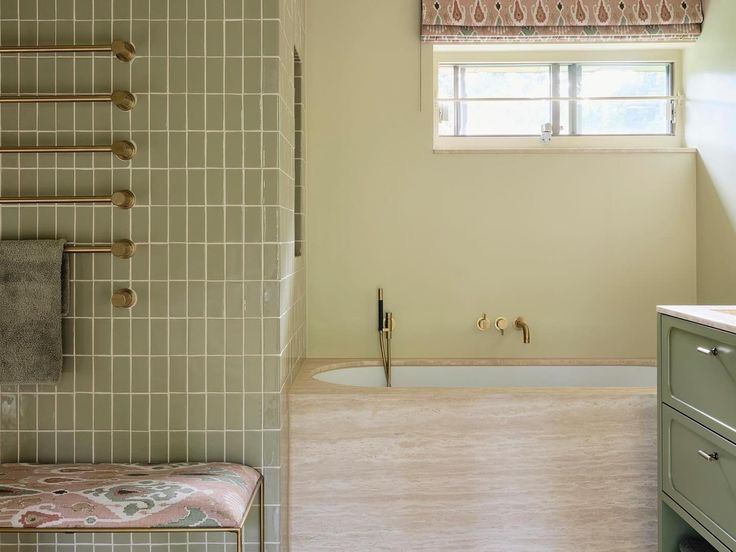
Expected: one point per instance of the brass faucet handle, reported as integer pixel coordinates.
(483, 323)
(501, 324)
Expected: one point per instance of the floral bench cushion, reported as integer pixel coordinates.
(117, 496)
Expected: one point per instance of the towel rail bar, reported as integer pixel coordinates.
(121, 49)
(122, 249)
(122, 99)
(122, 149)
(124, 199)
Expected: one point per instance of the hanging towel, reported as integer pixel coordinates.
(34, 282)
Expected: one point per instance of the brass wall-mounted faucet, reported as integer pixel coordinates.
(484, 323)
(520, 324)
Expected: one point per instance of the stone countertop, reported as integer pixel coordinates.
(721, 317)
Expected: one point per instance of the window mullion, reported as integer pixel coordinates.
(574, 72)
(456, 94)
(555, 93)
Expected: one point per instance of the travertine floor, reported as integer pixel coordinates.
(472, 470)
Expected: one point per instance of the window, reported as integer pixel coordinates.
(556, 99)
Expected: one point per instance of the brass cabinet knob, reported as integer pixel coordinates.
(124, 298)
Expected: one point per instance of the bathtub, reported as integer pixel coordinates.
(493, 376)
(486, 456)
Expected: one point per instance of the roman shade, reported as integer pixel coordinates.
(560, 20)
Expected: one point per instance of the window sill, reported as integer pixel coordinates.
(553, 150)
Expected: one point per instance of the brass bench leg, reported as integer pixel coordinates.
(239, 536)
(262, 516)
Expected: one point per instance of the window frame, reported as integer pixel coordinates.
(449, 54)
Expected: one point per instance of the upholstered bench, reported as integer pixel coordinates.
(125, 498)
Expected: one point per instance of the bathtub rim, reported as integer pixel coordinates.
(306, 383)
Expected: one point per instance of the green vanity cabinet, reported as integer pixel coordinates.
(697, 433)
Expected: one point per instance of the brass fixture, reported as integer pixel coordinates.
(122, 149)
(122, 249)
(124, 199)
(483, 323)
(122, 99)
(386, 324)
(124, 298)
(121, 49)
(520, 324)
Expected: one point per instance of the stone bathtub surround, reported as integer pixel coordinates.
(480, 470)
(709, 315)
(198, 369)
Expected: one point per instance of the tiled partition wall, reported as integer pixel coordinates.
(199, 368)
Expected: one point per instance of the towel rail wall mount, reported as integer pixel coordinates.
(122, 99)
(123, 199)
(124, 150)
(122, 50)
(122, 249)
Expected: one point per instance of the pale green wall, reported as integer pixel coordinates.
(584, 246)
(710, 78)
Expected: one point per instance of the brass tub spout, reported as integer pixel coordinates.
(520, 324)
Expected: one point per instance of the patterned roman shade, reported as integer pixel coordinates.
(560, 20)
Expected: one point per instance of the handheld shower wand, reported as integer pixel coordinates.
(385, 333)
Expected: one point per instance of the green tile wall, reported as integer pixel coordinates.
(199, 369)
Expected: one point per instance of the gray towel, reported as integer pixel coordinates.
(34, 284)
(695, 544)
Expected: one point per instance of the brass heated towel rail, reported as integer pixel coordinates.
(122, 99)
(124, 199)
(123, 249)
(121, 49)
(122, 149)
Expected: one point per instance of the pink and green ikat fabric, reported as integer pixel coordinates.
(117, 496)
(573, 20)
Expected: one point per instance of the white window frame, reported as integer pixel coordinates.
(462, 54)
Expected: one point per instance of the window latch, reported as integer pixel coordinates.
(546, 134)
(444, 114)
(673, 111)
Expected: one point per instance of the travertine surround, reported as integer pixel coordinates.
(471, 469)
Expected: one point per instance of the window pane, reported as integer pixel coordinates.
(494, 81)
(625, 80)
(503, 118)
(619, 117)
(445, 84)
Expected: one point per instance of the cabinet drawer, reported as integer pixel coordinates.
(699, 373)
(705, 487)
